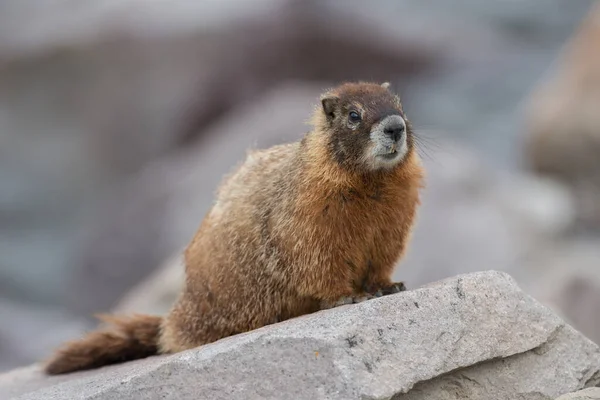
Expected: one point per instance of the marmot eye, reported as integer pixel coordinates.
(354, 117)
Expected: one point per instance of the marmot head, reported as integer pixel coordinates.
(365, 127)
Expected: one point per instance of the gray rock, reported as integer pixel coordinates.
(479, 328)
(586, 394)
(538, 374)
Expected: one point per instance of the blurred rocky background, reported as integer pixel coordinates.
(118, 119)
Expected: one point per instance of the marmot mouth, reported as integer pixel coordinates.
(389, 156)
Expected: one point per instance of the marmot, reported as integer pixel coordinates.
(296, 228)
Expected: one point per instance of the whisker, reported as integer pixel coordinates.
(429, 146)
(426, 146)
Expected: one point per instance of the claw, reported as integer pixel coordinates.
(343, 301)
(394, 288)
(360, 299)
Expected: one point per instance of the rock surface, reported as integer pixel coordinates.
(586, 394)
(475, 336)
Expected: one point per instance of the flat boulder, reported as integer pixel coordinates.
(474, 336)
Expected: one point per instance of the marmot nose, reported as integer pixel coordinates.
(394, 129)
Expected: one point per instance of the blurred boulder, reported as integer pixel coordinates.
(563, 122)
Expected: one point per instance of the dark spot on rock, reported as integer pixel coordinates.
(412, 321)
(352, 341)
(368, 366)
(459, 289)
(594, 380)
(380, 331)
(416, 304)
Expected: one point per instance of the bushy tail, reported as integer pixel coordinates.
(127, 338)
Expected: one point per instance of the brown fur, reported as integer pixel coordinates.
(294, 229)
(129, 338)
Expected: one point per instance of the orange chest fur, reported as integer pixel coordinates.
(353, 231)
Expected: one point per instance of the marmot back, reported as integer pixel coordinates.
(295, 228)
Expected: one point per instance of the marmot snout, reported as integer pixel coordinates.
(296, 228)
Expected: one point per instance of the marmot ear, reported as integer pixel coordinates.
(329, 103)
(385, 85)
